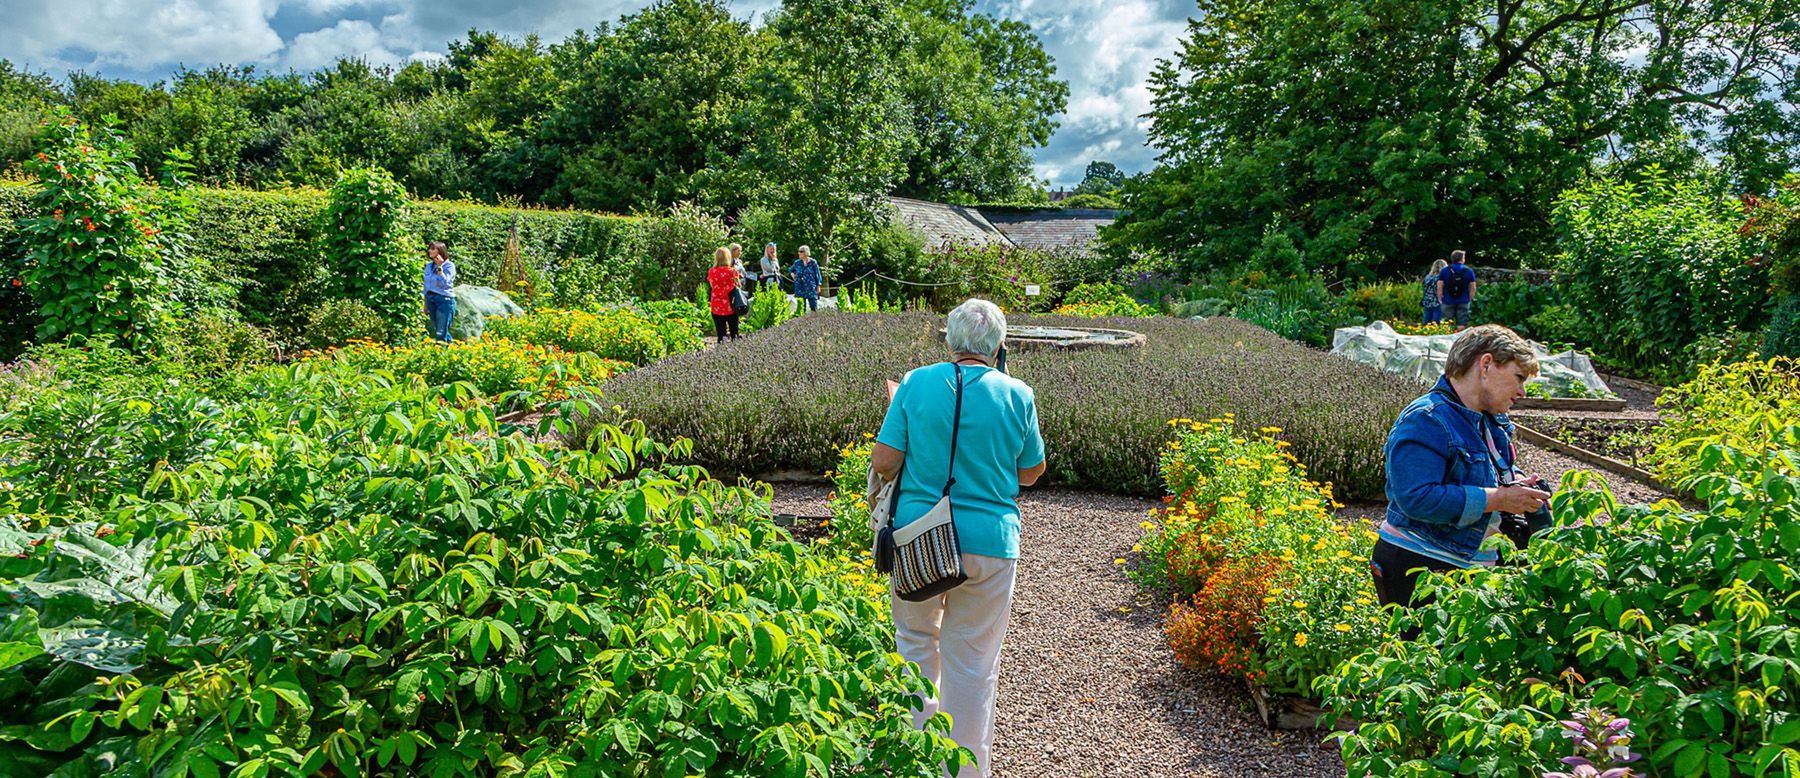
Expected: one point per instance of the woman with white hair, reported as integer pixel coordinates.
(955, 637)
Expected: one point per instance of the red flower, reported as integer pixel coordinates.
(103, 532)
(89, 222)
(17, 283)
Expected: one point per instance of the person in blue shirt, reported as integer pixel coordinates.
(806, 278)
(955, 637)
(1451, 469)
(440, 285)
(1456, 290)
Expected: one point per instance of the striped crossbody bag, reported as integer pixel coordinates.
(924, 556)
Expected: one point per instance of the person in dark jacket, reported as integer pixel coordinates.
(1451, 469)
(806, 279)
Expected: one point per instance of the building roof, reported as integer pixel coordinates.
(1040, 228)
(942, 224)
(1050, 228)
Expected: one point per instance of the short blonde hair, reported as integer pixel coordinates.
(1506, 346)
(735, 248)
(721, 257)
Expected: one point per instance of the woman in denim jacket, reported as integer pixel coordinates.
(1450, 465)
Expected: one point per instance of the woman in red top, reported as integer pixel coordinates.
(723, 278)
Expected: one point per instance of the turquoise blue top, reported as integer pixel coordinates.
(999, 438)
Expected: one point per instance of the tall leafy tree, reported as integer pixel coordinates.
(658, 102)
(1400, 129)
(833, 123)
(982, 94)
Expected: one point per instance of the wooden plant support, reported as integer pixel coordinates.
(1570, 404)
(1598, 460)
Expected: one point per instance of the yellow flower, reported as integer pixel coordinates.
(1299, 640)
(1300, 604)
(1342, 554)
(1341, 627)
(1119, 561)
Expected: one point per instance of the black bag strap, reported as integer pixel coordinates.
(955, 427)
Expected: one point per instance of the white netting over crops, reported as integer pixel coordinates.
(1422, 357)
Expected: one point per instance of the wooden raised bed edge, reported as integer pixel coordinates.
(1291, 712)
(1598, 460)
(1570, 404)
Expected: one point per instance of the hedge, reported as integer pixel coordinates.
(259, 247)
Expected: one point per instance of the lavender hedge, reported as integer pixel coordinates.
(786, 398)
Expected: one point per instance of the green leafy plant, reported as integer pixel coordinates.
(370, 256)
(338, 322)
(769, 308)
(352, 574)
(614, 333)
(1669, 616)
(94, 251)
(1742, 405)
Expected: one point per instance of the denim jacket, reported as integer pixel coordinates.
(1438, 467)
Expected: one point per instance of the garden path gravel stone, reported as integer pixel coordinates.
(1087, 686)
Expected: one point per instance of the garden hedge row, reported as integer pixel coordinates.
(787, 398)
(257, 250)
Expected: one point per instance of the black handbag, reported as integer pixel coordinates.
(740, 304)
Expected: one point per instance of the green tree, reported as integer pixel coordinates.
(659, 103)
(1400, 128)
(25, 102)
(1101, 178)
(832, 119)
(982, 92)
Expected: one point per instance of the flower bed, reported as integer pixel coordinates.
(1266, 582)
(623, 334)
(1683, 622)
(799, 392)
(340, 574)
(493, 364)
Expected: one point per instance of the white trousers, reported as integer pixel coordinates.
(955, 639)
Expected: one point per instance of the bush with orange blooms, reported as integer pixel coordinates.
(1267, 583)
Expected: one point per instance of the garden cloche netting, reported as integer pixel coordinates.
(1422, 357)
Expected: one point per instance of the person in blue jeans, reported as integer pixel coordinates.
(440, 285)
(1433, 309)
(1456, 290)
(1451, 469)
(806, 278)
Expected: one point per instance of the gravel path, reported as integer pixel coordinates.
(1087, 686)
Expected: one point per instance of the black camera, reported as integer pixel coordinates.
(1519, 528)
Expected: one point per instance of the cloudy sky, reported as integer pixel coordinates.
(1103, 48)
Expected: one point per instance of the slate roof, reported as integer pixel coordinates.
(1050, 228)
(1040, 229)
(941, 224)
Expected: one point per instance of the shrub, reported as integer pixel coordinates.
(1090, 201)
(1097, 300)
(677, 320)
(1387, 302)
(215, 342)
(1519, 304)
(1662, 614)
(1654, 266)
(338, 321)
(1203, 309)
(1742, 405)
(849, 499)
(1260, 568)
(351, 576)
(671, 253)
(816, 383)
(614, 333)
(94, 253)
(769, 308)
(370, 257)
(493, 365)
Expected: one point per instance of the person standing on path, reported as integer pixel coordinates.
(745, 280)
(440, 286)
(1433, 307)
(955, 637)
(771, 267)
(1451, 468)
(1456, 290)
(722, 280)
(806, 279)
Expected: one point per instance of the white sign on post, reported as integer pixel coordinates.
(1031, 290)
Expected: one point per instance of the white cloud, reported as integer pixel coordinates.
(353, 39)
(59, 35)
